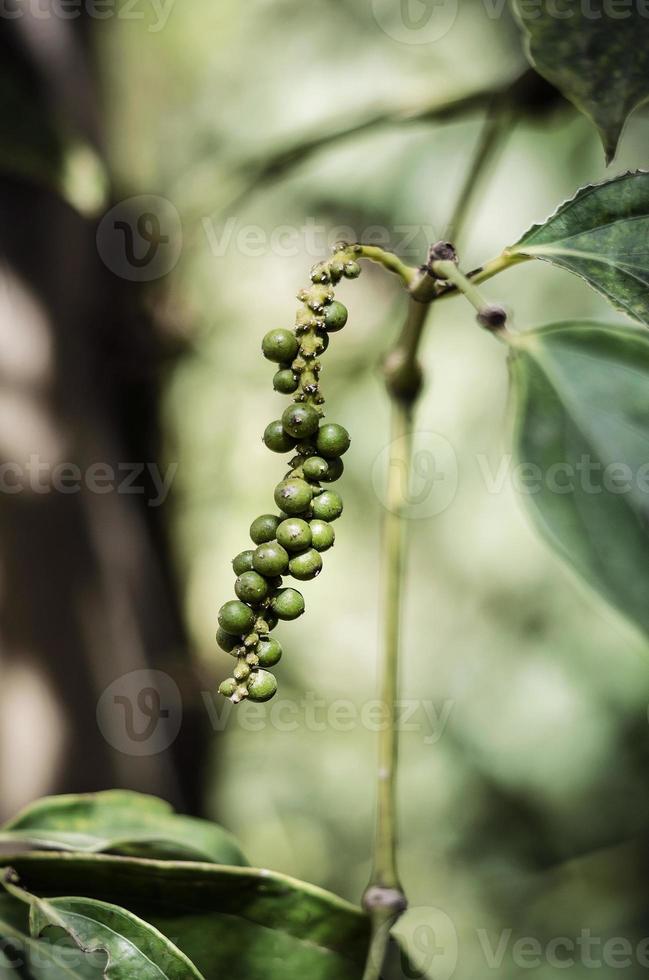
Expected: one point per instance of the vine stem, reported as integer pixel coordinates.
(384, 898)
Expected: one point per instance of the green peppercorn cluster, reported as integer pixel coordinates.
(290, 541)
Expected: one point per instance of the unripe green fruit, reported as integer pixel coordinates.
(322, 535)
(270, 559)
(236, 618)
(251, 587)
(285, 381)
(225, 640)
(332, 440)
(277, 439)
(269, 652)
(266, 622)
(243, 562)
(334, 470)
(263, 528)
(280, 345)
(241, 672)
(315, 467)
(228, 687)
(294, 534)
(305, 566)
(300, 421)
(288, 604)
(335, 316)
(261, 685)
(324, 337)
(293, 496)
(328, 505)
(352, 270)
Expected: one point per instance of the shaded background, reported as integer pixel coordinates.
(523, 784)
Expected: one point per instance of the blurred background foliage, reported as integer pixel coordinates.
(528, 811)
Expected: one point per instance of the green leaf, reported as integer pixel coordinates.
(134, 949)
(582, 428)
(597, 56)
(239, 923)
(602, 235)
(120, 822)
(30, 959)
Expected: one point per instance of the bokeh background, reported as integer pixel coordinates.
(523, 785)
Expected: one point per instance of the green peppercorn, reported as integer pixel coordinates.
(263, 528)
(315, 468)
(322, 535)
(293, 496)
(351, 270)
(332, 440)
(225, 640)
(335, 316)
(243, 562)
(334, 470)
(300, 421)
(251, 587)
(285, 381)
(266, 622)
(328, 505)
(324, 337)
(269, 652)
(241, 672)
(237, 618)
(288, 604)
(306, 565)
(294, 534)
(270, 559)
(280, 345)
(277, 439)
(228, 687)
(261, 685)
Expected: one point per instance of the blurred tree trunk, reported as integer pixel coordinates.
(86, 590)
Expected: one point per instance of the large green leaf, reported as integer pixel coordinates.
(134, 949)
(595, 53)
(582, 429)
(239, 923)
(602, 235)
(120, 822)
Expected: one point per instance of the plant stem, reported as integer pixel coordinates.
(450, 272)
(389, 261)
(384, 898)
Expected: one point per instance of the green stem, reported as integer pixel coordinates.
(384, 898)
(450, 272)
(389, 261)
